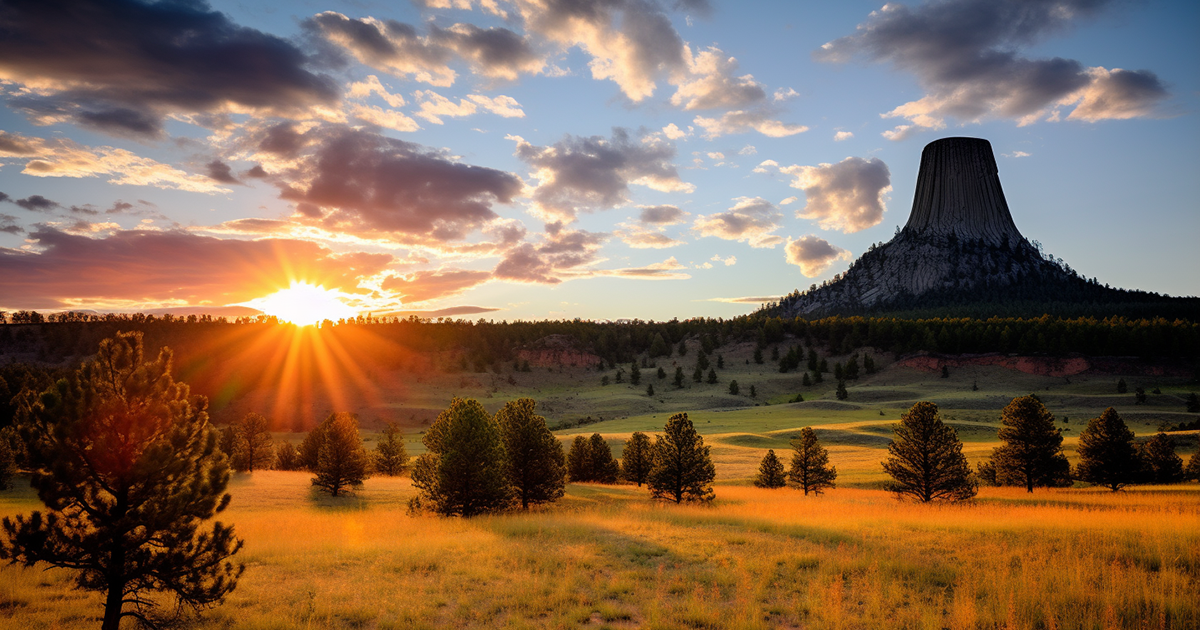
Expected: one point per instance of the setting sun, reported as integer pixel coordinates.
(304, 304)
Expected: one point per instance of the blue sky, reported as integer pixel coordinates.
(610, 159)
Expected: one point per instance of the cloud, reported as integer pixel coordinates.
(579, 174)
(639, 237)
(423, 286)
(673, 132)
(386, 118)
(966, 55)
(359, 182)
(60, 157)
(1016, 154)
(842, 135)
(847, 196)
(814, 255)
(399, 49)
(122, 66)
(747, 300)
(662, 215)
(742, 121)
(784, 94)
(729, 261)
(372, 85)
(171, 267)
(8, 223)
(751, 220)
(562, 254)
(434, 106)
(665, 270)
(219, 171)
(711, 84)
(748, 150)
(442, 312)
(37, 203)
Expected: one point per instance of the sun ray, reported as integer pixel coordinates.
(304, 304)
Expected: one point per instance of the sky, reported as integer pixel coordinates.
(595, 159)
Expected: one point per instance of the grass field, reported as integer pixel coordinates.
(608, 556)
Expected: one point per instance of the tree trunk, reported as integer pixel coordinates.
(114, 601)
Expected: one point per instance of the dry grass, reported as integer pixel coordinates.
(609, 557)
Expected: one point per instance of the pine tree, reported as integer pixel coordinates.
(635, 374)
(1193, 468)
(1139, 395)
(253, 447)
(464, 471)
(310, 447)
(286, 457)
(682, 349)
(1031, 455)
(712, 377)
(8, 462)
(753, 392)
(925, 458)
(733, 388)
(679, 378)
(758, 356)
(806, 381)
(702, 361)
(817, 377)
(810, 464)
(659, 346)
(128, 467)
(1121, 386)
(841, 392)
(1162, 465)
(851, 370)
(635, 458)
(698, 375)
(342, 461)
(650, 389)
(868, 364)
(579, 460)
(720, 362)
(604, 468)
(1193, 403)
(770, 472)
(227, 443)
(661, 373)
(1107, 454)
(536, 464)
(391, 457)
(682, 469)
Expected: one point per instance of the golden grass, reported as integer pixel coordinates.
(610, 557)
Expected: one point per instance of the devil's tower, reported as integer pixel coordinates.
(960, 245)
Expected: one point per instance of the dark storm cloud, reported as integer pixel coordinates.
(594, 173)
(966, 54)
(358, 181)
(148, 266)
(121, 65)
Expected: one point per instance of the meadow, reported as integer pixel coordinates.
(610, 557)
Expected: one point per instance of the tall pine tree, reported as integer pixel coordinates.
(770, 472)
(1162, 465)
(635, 458)
(342, 461)
(1107, 453)
(810, 464)
(682, 469)
(253, 449)
(579, 461)
(465, 469)
(536, 465)
(128, 467)
(1031, 455)
(603, 467)
(391, 457)
(925, 458)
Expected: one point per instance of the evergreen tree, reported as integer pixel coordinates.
(682, 349)
(753, 392)
(679, 378)
(635, 458)
(720, 362)
(841, 392)
(823, 366)
(635, 374)
(682, 469)
(1162, 465)
(733, 388)
(868, 364)
(254, 448)
(128, 467)
(810, 464)
(286, 457)
(758, 356)
(1193, 403)
(1193, 468)
(227, 442)
(698, 375)
(342, 461)
(775, 353)
(712, 376)
(391, 457)
(1031, 455)
(925, 458)
(650, 389)
(702, 361)
(579, 460)
(465, 469)
(806, 381)
(813, 364)
(839, 372)
(661, 373)
(945, 372)
(817, 377)
(770, 472)
(604, 381)
(851, 370)
(1107, 454)
(535, 457)
(310, 447)
(1121, 386)
(603, 467)
(659, 346)
(8, 462)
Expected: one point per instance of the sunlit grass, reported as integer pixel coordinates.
(609, 557)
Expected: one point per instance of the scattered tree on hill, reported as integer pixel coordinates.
(868, 364)
(758, 356)
(810, 464)
(774, 353)
(823, 366)
(635, 458)
(1193, 403)
(1107, 453)
(227, 442)
(604, 380)
(650, 389)
(1121, 386)
(720, 362)
(770, 472)
(1139, 395)
(128, 467)
(604, 468)
(841, 392)
(682, 469)
(1193, 468)
(659, 346)
(806, 381)
(342, 461)
(286, 457)
(986, 473)
(1031, 455)
(925, 458)
(698, 375)
(310, 446)
(702, 361)
(253, 449)
(579, 460)
(464, 471)
(682, 349)
(712, 377)
(839, 372)
(661, 373)
(391, 457)
(851, 370)
(813, 361)
(733, 388)
(1162, 465)
(817, 377)
(753, 392)
(635, 374)
(679, 378)
(536, 464)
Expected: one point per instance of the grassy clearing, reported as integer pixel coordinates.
(609, 557)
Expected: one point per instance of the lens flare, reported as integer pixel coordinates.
(304, 304)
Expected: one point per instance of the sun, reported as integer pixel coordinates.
(304, 304)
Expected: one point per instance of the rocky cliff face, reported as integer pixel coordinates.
(960, 237)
